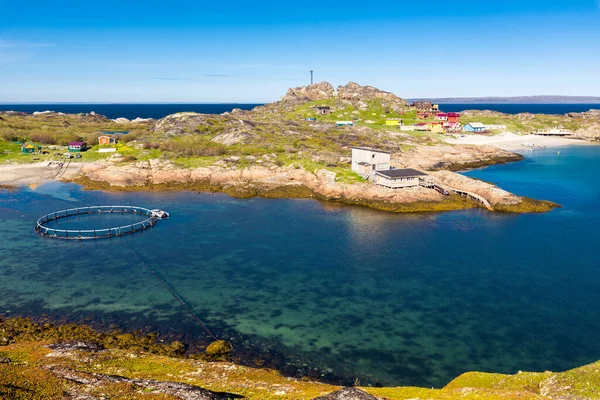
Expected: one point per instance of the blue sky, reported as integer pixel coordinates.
(243, 51)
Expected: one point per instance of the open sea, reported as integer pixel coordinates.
(333, 291)
(157, 111)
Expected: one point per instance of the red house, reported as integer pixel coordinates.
(441, 117)
(453, 117)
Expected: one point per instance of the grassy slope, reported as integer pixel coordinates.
(285, 137)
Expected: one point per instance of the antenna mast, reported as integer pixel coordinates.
(311, 77)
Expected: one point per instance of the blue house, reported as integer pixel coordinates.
(475, 127)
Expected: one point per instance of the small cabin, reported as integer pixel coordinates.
(366, 160)
(310, 119)
(28, 148)
(77, 147)
(441, 117)
(453, 117)
(344, 123)
(106, 140)
(421, 127)
(322, 110)
(402, 178)
(475, 127)
(392, 122)
(423, 115)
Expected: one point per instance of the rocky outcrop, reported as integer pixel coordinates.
(591, 114)
(76, 345)
(266, 181)
(591, 132)
(234, 136)
(490, 192)
(88, 383)
(452, 158)
(187, 123)
(348, 394)
(317, 91)
(355, 92)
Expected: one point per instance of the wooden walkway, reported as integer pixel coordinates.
(473, 196)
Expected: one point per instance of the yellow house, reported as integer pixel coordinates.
(437, 128)
(392, 122)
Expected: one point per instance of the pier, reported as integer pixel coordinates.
(42, 229)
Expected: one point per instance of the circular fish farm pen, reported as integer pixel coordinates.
(152, 216)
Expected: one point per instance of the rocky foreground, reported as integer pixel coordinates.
(74, 369)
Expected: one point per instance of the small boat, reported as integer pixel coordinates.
(159, 213)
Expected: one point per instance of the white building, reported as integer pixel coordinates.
(366, 160)
(491, 127)
(402, 178)
(553, 132)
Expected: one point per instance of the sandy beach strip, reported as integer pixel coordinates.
(37, 173)
(512, 141)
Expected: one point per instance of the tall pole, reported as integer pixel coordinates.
(311, 77)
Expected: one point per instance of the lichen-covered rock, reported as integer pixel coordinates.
(77, 345)
(219, 348)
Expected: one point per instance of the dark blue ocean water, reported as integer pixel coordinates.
(129, 111)
(157, 111)
(348, 291)
(521, 108)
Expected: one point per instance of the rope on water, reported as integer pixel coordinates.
(164, 283)
(187, 307)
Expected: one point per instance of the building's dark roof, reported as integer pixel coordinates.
(369, 149)
(401, 173)
(323, 107)
(76, 143)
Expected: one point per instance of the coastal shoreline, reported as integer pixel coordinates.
(514, 142)
(275, 183)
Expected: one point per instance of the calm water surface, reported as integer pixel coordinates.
(157, 111)
(351, 292)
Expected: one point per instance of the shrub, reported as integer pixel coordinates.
(194, 146)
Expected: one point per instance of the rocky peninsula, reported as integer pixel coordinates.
(282, 149)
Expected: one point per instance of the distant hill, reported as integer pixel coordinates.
(517, 100)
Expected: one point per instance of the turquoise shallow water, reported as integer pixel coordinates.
(348, 292)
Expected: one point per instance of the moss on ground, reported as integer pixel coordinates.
(30, 376)
(527, 205)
